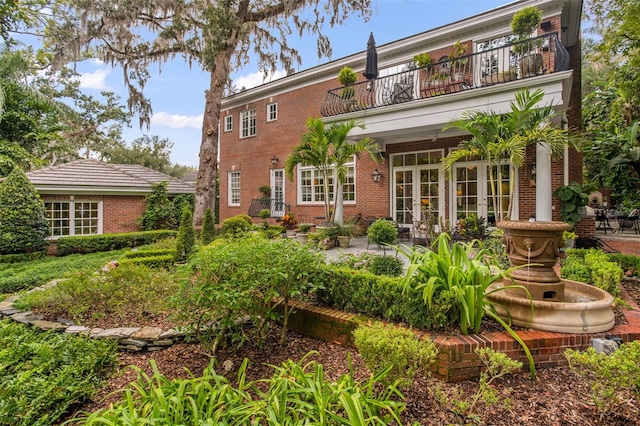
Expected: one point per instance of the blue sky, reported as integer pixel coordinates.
(177, 91)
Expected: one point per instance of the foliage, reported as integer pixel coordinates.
(265, 214)
(297, 393)
(107, 242)
(573, 197)
(382, 232)
(232, 280)
(422, 59)
(180, 201)
(208, 228)
(593, 267)
(614, 378)
(265, 191)
(466, 276)
(382, 346)
(234, 227)
(186, 238)
(390, 266)
(115, 292)
(45, 374)
(457, 50)
(22, 257)
(148, 151)
(380, 297)
(360, 260)
(166, 261)
(472, 227)
(573, 268)
(494, 247)
(289, 220)
(159, 213)
(23, 228)
(503, 139)
(304, 227)
(33, 273)
(524, 24)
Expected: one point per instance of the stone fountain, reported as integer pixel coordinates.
(558, 305)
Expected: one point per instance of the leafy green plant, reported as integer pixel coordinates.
(422, 59)
(382, 232)
(614, 378)
(304, 228)
(45, 374)
(465, 275)
(186, 238)
(235, 227)
(573, 198)
(472, 227)
(108, 242)
(382, 346)
(208, 228)
(391, 266)
(523, 24)
(297, 393)
(264, 214)
(23, 228)
(593, 267)
(347, 77)
(160, 211)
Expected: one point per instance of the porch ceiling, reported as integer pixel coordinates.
(424, 119)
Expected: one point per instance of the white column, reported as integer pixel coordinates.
(543, 183)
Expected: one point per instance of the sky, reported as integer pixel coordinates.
(177, 91)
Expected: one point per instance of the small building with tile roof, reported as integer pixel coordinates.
(91, 197)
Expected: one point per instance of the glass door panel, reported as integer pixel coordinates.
(403, 189)
(277, 193)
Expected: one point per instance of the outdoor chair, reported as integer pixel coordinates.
(603, 220)
(630, 221)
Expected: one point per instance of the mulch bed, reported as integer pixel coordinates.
(557, 396)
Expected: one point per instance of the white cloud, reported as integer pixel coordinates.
(176, 121)
(94, 80)
(256, 79)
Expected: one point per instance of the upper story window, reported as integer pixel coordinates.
(311, 184)
(234, 188)
(228, 123)
(74, 217)
(272, 112)
(248, 123)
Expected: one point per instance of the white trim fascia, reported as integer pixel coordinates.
(97, 190)
(494, 21)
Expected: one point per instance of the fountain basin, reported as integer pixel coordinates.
(585, 309)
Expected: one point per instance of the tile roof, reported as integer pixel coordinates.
(96, 176)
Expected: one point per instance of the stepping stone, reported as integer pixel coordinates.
(26, 317)
(48, 325)
(116, 333)
(148, 333)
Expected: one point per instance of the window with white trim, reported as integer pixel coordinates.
(228, 123)
(272, 112)
(248, 123)
(234, 188)
(311, 184)
(74, 217)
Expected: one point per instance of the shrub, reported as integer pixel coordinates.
(160, 211)
(208, 228)
(23, 228)
(242, 278)
(179, 202)
(387, 265)
(166, 261)
(22, 257)
(360, 260)
(44, 375)
(614, 378)
(264, 214)
(593, 267)
(574, 268)
(149, 253)
(108, 242)
(628, 262)
(382, 232)
(382, 346)
(297, 393)
(186, 236)
(235, 226)
(472, 227)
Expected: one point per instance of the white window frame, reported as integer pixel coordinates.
(272, 111)
(248, 123)
(234, 188)
(228, 123)
(312, 193)
(73, 221)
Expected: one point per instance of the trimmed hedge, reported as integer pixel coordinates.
(22, 257)
(108, 242)
(161, 261)
(593, 267)
(148, 253)
(378, 296)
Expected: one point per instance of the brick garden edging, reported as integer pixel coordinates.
(456, 359)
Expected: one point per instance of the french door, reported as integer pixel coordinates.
(277, 193)
(418, 191)
(471, 191)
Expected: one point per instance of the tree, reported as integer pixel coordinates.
(218, 35)
(186, 236)
(159, 212)
(147, 151)
(23, 227)
(500, 138)
(208, 228)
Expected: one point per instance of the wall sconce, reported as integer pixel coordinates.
(274, 160)
(376, 176)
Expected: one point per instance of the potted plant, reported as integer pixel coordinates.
(382, 232)
(574, 200)
(569, 239)
(457, 62)
(303, 233)
(347, 78)
(265, 191)
(524, 24)
(422, 60)
(344, 235)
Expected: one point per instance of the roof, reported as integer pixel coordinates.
(97, 177)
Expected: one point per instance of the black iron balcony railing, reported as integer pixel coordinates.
(277, 208)
(529, 58)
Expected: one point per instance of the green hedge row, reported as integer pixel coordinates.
(22, 257)
(628, 262)
(159, 261)
(593, 267)
(107, 242)
(378, 296)
(149, 253)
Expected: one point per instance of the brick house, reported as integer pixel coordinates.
(404, 110)
(90, 197)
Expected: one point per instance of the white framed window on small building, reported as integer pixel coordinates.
(272, 111)
(248, 123)
(234, 188)
(73, 217)
(228, 123)
(311, 184)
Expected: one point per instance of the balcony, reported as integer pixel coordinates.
(491, 67)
